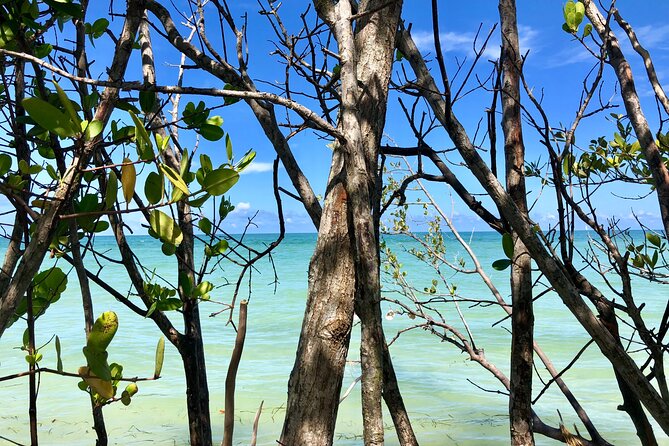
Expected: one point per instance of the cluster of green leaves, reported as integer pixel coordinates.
(162, 298)
(61, 118)
(574, 12)
(646, 255)
(620, 158)
(47, 287)
(100, 378)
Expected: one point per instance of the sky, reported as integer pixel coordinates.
(554, 69)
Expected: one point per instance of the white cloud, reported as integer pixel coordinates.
(257, 167)
(462, 42)
(243, 206)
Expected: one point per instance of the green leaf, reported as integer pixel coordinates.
(165, 227)
(160, 356)
(5, 164)
(211, 132)
(202, 289)
(205, 163)
(205, 225)
(161, 142)
(128, 180)
(93, 129)
(501, 264)
(44, 50)
(147, 100)
(507, 244)
(228, 147)
(229, 100)
(183, 165)
(144, 144)
(654, 239)
(65, 9)
(154, 187)
(169, 304)
(587, 30)
(246, 160)
(112, 190)
(49, 284)
(67, 105)
(97, 362)
(59, 361)
(219, 181)
(216, 249)
(49, 117)
(198, 202)
(174, 178)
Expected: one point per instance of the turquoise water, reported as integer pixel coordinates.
(445, 407)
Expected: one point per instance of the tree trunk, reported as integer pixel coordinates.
(522, 318)
(316, 379)
(197, 391)
(630, 97)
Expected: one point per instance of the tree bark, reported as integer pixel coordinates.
(316, 379)
(522, 318)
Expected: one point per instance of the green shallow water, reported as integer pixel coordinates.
(445, 407)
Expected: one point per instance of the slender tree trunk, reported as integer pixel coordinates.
(522, 318)
(89, 320)
(395, 402)
(623, 71)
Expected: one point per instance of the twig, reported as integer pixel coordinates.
(254, 434)
(230, 379)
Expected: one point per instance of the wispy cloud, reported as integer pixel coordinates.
(257, 167)
(463, 42)
(653, 36)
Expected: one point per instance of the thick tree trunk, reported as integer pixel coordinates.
(522, 318)
(316, 379)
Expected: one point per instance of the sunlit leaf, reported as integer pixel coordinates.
(49, 117)
(211, 132)
(67, 105)
(160, 356)
(128, 180)
(165, 227)
(174, 178)
(219, 181)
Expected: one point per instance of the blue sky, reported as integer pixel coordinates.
(555, 67)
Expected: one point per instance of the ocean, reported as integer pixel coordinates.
(451, 400)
